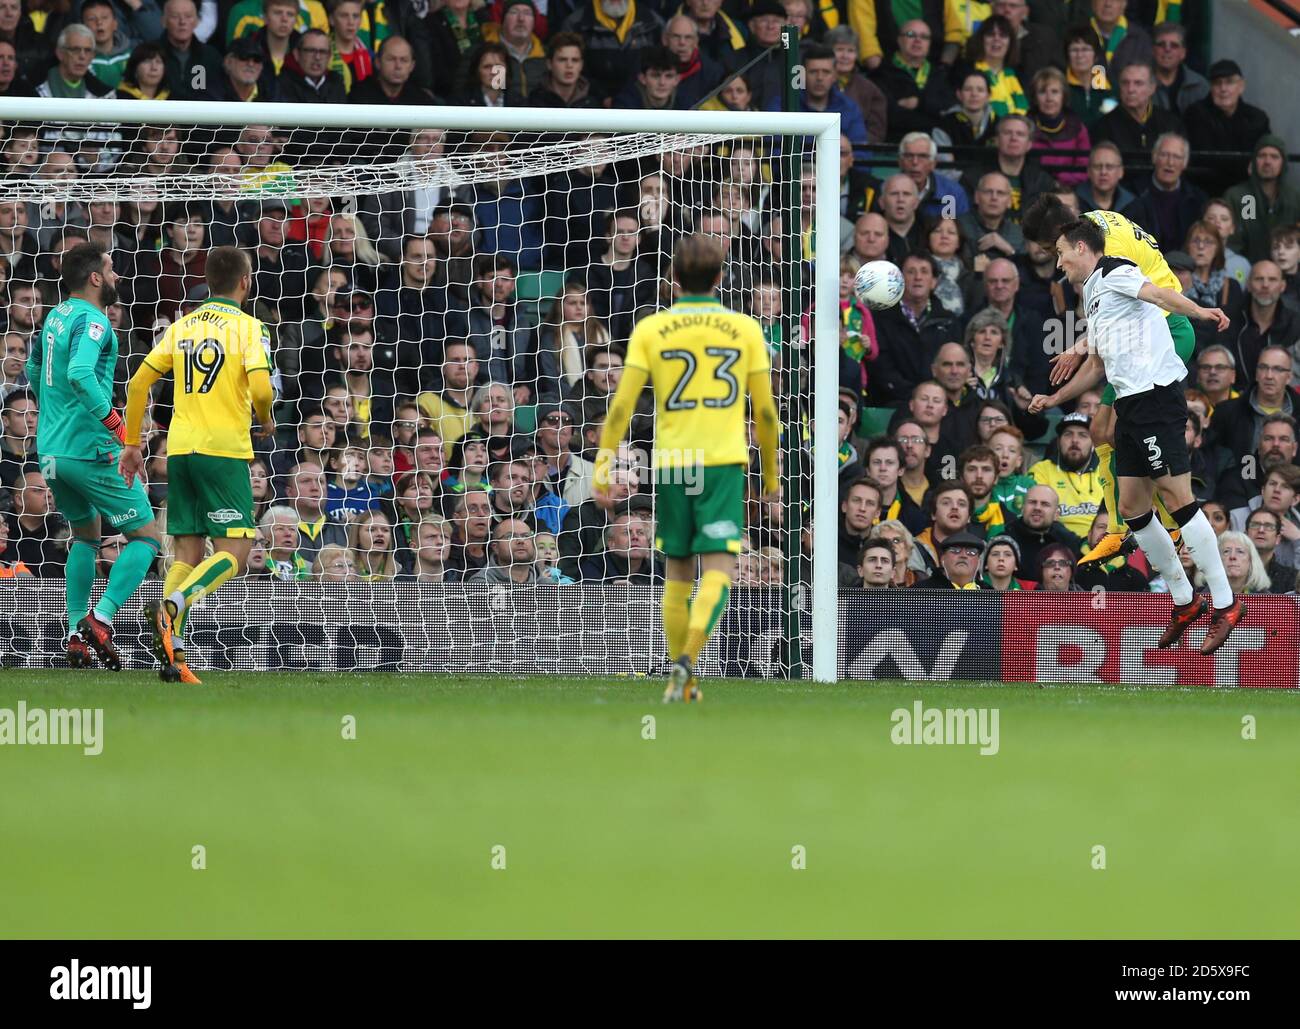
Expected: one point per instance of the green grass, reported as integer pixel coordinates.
(606, 833)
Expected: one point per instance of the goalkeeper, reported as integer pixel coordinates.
(221, 359)
(78, 438)
(702, 360)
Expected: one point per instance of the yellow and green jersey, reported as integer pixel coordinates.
(1129, 240)
(245, 18)
(212, 352)
(277, 177)
(699, 356)
(1079, 494)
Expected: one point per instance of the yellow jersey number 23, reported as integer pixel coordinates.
(727, 356)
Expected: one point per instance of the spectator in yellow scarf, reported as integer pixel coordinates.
(995, 51)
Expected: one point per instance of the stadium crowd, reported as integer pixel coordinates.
(435, 425)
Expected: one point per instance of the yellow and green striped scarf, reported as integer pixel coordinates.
(1005, 93)
(1116, 36)
(919, 75)
(992, 517)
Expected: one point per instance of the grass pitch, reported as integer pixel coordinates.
(610, 834)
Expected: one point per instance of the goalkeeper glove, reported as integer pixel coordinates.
(114, 424)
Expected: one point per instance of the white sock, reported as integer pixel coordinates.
(1159, 548)
(1203, 545)
(178, 599)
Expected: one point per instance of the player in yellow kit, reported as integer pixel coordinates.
(1043, 222)
(703, 360)
(221, 359)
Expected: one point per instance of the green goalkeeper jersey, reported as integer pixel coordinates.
(71, 369)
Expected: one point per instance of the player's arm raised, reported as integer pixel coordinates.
(1091, 372)
(1175, 303)
(87, 345)
(1065, 363)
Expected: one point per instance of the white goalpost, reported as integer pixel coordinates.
(548, 197)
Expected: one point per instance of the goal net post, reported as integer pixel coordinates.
(578, 208)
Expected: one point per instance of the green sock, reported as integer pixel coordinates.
(80, 575)
(129, 570)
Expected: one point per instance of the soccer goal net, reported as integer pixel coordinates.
(450, 294)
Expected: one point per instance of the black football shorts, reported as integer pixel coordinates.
(1151, 433)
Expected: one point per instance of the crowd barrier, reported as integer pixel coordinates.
(1058, 638)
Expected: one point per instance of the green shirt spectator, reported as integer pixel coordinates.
(117, 31)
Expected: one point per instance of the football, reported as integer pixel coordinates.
(878, 284)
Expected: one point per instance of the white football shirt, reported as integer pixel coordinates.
(1130, 336)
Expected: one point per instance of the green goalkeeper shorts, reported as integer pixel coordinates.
(1180, 327)
(699, 510)
(84, 489)
(209, 496)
